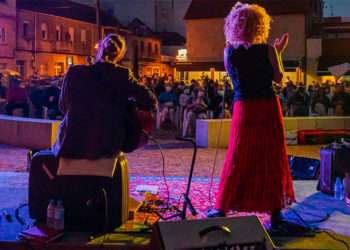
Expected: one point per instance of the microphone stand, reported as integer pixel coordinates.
(187, 201)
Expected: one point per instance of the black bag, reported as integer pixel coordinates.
(335, 160)
(304, 168)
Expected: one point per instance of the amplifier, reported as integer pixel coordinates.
(214, 233)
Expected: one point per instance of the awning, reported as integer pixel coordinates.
(339, 70)
(325, 62)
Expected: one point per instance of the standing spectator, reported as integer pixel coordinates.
(340, 101)
(288, 93)
(299, 102)
(16, 97)
(159, 86)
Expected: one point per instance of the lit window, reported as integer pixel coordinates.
(44, 31)
(3, 38)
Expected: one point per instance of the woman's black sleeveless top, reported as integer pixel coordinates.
(250, 71)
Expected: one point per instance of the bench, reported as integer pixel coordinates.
(27, 132)
(207, 131)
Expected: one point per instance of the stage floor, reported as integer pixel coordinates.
(312, 206)
(145, 168)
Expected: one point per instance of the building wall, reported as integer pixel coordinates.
(7, 34)
(206, 40)
(295, 26)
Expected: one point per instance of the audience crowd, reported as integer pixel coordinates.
(180, 104)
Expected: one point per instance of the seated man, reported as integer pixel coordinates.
(17, 97)
(3, 91)
(93, 102)
(168, 102)
(52, 96)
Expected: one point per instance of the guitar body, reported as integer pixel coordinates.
(138, 127)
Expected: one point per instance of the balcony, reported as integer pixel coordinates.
(63, 46)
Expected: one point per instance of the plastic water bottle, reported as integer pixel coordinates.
(338, 189)
(346, 185)
(50, 214)
(59, 216)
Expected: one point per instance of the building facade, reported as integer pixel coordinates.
(53, 36)
(144, 53)
(47, 45)
(7, 34)
(335, 45)
(42, 38)
(206, 41)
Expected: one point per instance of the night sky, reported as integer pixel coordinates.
(340, 7)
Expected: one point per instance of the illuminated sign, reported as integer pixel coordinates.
(181, 55)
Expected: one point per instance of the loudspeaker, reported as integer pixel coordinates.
(214, 233)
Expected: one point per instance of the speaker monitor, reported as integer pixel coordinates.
(215, 233)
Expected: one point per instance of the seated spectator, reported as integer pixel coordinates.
(38, 99)
(3, 91)
(52, 97)
(320, 103)
(196, 109)
(16, 98)
(167, 105)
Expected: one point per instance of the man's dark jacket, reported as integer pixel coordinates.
(93, 100)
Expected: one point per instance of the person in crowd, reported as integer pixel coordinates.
(253, 65)
(320, 103)
(196, 108)
(289, 81)
(299, 102)
(3, 92)
(213, 98)
(167, 105)
(341, 101)
(93, 102)
(37, 96)
(17, 97)
(288, 92)
(3, 89)
(159, 86)
(52, 94)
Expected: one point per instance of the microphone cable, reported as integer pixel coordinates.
(218, 140)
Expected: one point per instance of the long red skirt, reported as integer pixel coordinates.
(256, 175)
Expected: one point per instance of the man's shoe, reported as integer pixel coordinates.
(213, 213)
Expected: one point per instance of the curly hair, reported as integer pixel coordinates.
(247, 24)
(111, 49)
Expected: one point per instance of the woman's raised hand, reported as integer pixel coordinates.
(281, 43)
